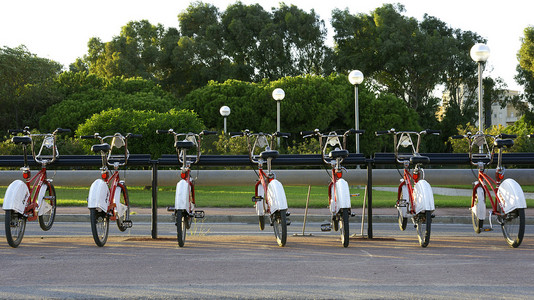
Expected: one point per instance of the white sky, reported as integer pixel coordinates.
(60, 29)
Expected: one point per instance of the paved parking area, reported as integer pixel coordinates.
(237, 261)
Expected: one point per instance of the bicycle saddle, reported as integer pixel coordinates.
(101, 147)
(419, 159)
(183, 145)
(338, 153)
(269, 154)
(25, 140)
(499, 143)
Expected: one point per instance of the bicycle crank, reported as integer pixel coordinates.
(127, 223)
(326, 227)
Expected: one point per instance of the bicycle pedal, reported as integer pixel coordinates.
(198, 214)
(256, 199)
(288, 222)
(169, 208)
(288, 214)
(127, 223)
(326, 227)
(432, 216)
(353, 214)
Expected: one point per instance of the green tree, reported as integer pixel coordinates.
(142, 122)
(525, 74)
(26, 88)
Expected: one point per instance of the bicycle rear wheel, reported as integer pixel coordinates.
(123, 222)
(181, 225)
(99, 226)
(344, 227)
(15, 226)
(513, 227)
(46, 220)
(423, 224)
(280, 227)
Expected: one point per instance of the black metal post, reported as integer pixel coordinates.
(369, 198)
(154, 199)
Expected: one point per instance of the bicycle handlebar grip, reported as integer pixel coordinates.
(282, 134)
(380, 132)
(207, 132)
(359, 131)
(161, 131)
(308, 132)
(62, 130)
(15, 131)
(456, 137)
(131, 135)
(433, 131)
(507, 136)
(87, 137)
(236, 133)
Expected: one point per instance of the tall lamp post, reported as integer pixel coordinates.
(278, 95)
(355, 78)
(225, 112)
(480, 53)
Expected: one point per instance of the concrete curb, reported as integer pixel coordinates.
(253, 219)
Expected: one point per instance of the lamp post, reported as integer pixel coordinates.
(355, 78)
(480, 53)
(225, 112)
(278, 95)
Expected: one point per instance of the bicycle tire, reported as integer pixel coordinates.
(181, 226)
(477, 223)
(344, 227)
(99, 226)
(280, 227)
(261, 220)
(124, 200)
(513, 227)
(47, 219)
(15, 224)
(403, 221)
(423, 227)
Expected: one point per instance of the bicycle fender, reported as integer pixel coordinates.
(181, 200)
(424, 197)
(43, 206)
(259, 204)
(276, 196)
(480, 207)
(511, 195)
(17, 196)
(121, 208)
(404, 209)
(342, 195)
(98, 195)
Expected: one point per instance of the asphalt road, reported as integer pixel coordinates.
(238, 261)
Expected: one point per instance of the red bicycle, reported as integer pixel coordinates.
(35, 197)
(508, 202)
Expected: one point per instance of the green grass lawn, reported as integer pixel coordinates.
(240, 196)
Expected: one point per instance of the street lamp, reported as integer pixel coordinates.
(480, 53)
(278, 95)
(225, 112)
(355, 78)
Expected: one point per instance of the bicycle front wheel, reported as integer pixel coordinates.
(99, 226)
(280, 227)
(15, 226)
(423, 222)
(123, 213)
(48, 203)
(344, 227)
(513, 227)
(181, 225)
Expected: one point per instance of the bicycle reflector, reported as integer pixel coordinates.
(500, 176)
(26, 174)
(339, 174)
(105, 175)
(415, 177)
(183, 175)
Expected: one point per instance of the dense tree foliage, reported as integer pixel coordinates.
(141, 122)
(326, 103)
(26, 87)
